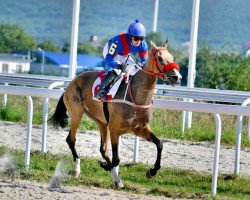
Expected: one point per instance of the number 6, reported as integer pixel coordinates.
(112, 49)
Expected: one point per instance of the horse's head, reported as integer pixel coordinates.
(163, 64)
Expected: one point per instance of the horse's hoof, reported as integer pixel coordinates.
(104, 165)
(119, 184)
(101, 163)
(76, 173)
(77, 169)
(150, 174)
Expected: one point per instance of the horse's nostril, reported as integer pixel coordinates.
(174, 77)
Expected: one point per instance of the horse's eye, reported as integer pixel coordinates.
(160, 59)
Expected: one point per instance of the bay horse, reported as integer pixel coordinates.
(115, 118)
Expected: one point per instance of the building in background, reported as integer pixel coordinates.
(55, 63)
(12, 63)
(49, 63)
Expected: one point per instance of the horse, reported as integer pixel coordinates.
(116, 118)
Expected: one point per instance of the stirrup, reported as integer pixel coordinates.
(102, 95)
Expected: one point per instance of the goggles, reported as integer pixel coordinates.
(137, 38)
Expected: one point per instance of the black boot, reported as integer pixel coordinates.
(104, 87)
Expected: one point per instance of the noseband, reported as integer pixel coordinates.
(162, 69)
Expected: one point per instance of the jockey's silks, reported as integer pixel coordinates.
(123, 46)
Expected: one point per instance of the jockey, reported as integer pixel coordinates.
(116, 54)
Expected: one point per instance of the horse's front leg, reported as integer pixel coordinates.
(147, 134)
(107, 164)
(157, 166)
(115, 160)
(71, 139)
(104, 148)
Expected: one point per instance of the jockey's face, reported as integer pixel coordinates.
(136, 40)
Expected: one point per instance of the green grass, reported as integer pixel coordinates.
(166, 124)
(17, 109)
(173, 183)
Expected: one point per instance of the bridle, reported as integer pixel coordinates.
(161, 69)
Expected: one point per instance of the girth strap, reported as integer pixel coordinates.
(106, 111)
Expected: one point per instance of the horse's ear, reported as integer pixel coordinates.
(153, 44)
(166, 44)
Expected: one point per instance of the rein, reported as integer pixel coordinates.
(133, 100)
(161, 74)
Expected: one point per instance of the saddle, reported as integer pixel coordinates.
(118, 89)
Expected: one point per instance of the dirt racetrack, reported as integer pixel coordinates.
(178, 154)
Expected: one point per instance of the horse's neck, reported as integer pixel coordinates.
(144, 85)
(149, 80)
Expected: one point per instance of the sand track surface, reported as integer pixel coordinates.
(178, 154)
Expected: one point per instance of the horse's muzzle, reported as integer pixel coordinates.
(175, 78)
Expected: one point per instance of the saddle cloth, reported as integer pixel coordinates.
(129, 71)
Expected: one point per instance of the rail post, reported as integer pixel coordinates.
(216, 154)
(45, 116)
(238, 138)
(29, 129)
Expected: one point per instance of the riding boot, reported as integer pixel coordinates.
(104, 87)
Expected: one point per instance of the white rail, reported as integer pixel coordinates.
(202, 107)
(202, 94)
(28, 91)
(31, 79)
(163, 90)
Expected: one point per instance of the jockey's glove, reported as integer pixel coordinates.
(121, 66)
(140, 64)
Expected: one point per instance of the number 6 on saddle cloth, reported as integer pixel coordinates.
(129, 71)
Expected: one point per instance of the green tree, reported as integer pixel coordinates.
(227, 71)
(204, 67)
(88, 49)
(48, 46)
(13, 38)
(242, 72)
(155, 37)
(66, 47)
(183, 63)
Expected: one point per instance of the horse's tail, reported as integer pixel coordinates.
(60, 117)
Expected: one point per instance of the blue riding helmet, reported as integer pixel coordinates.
(137, 29)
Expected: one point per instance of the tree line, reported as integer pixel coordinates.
(13, 39)
(221, 70)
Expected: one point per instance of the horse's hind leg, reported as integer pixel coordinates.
(71, 139)
(147, 134)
